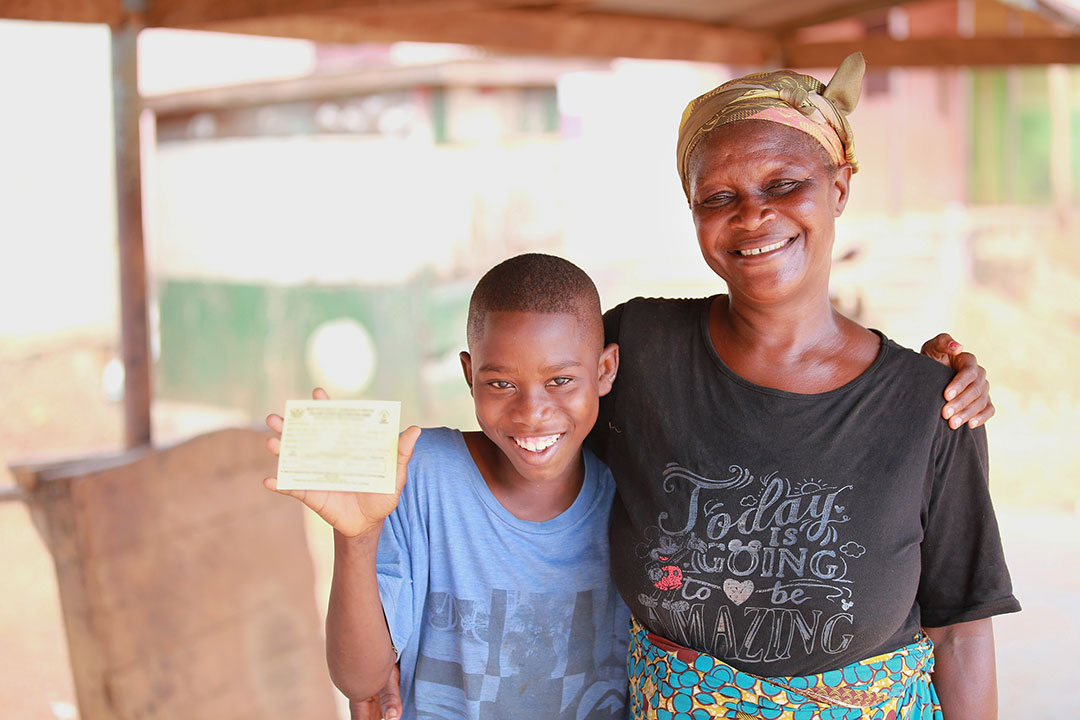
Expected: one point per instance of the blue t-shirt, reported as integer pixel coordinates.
(497, 617)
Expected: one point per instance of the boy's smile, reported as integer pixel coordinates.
(536, 381)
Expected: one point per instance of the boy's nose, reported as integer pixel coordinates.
(530, 408)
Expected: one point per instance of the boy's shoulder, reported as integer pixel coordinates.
(440, 447)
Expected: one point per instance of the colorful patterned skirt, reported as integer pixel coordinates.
(670, 682)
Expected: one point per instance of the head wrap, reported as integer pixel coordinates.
(784, 97)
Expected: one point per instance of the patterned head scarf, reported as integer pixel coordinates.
(784, 97)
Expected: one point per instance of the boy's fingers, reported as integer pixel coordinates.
(936, 345)
(969, 375)
(273, 444)
(319, 394)
(406, 443)
(968, 404)
(984, 415)
(275, 422)
(271, 484)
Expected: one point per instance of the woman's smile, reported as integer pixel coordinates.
(765, 249)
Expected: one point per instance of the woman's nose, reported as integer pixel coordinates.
(751, 213)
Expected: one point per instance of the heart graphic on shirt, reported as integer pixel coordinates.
(738, 592)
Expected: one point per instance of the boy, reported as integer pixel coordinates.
(486, 577)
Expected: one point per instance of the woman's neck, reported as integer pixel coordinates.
(803, 347)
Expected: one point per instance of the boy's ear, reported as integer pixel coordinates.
(466, 367)
(609, 367)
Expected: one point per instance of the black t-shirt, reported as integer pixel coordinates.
(790, 534)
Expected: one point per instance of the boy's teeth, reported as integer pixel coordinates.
(536, 444)
(767, 248)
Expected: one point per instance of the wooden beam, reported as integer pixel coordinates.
(180, 13)
(508, 72)
(135, 344)
(529, 31)
(90, 11)
(938, 52)
(838, 11)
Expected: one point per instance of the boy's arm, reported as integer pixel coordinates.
(359, 652)
(968, 394)
(964, 670)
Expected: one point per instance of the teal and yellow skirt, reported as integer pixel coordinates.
(670, 682)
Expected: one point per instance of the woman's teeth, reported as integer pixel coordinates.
(537, 444)
(765, 249)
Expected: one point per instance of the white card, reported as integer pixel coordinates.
(346, 445)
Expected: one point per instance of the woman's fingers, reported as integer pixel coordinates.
(390, 696)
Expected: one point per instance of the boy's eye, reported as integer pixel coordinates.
(560, 381)
(500, 384)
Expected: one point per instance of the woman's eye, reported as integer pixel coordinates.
(781, 187)
(718, 200)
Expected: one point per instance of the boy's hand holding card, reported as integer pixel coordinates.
(343, 459)
(339, 445)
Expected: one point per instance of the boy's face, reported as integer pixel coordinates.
(536, 381)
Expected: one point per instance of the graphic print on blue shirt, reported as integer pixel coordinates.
(494, 616)
(528, 659)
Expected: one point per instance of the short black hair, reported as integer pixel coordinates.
(536, 283)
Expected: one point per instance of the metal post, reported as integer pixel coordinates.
(135, 346)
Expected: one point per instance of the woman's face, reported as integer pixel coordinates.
(764, 203)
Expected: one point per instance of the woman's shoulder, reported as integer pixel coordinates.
(659, 304)
(901, 358)
(651, 314)
(912, 379)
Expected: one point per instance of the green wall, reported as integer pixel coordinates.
(243, 345)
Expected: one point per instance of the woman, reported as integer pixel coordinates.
(795, 529)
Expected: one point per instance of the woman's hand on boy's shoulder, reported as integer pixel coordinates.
(350, 513)
(967, 396)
